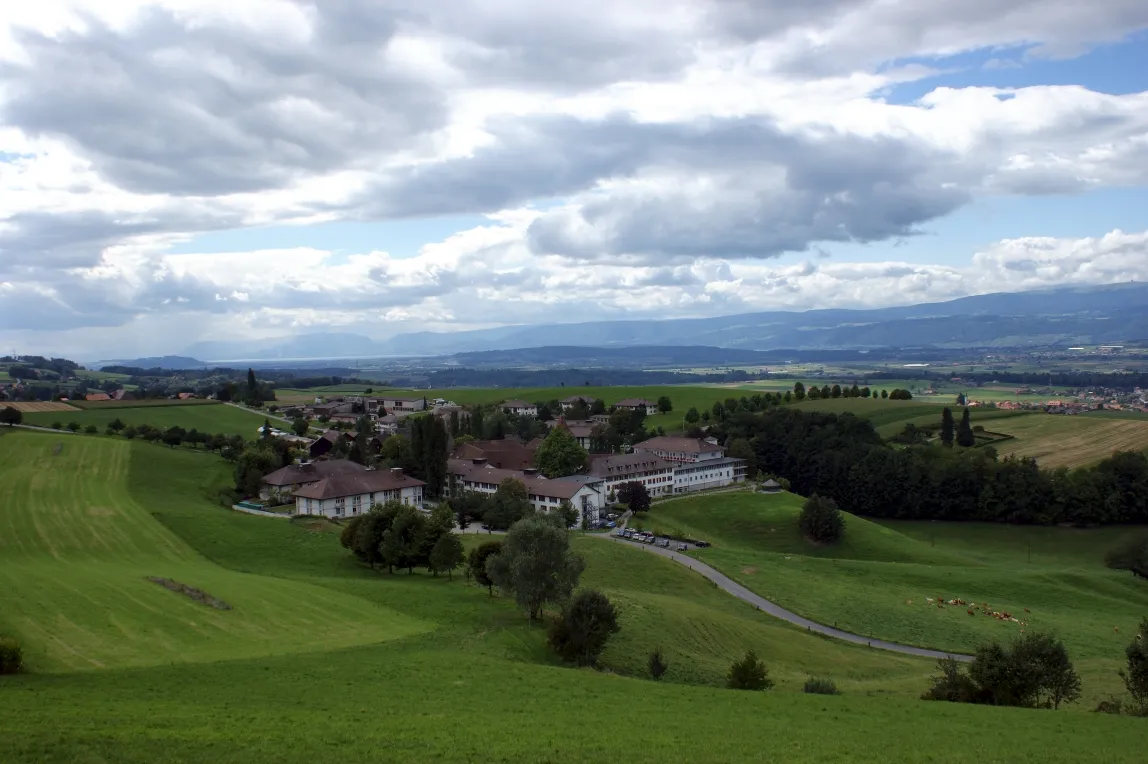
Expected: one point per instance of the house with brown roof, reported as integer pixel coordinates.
(508, 454)
(574, 400)
(581, 429)
(323, 445)
(123, 395)
(353, 493)
(699, 463)
(97, 397)
(638, 404)
(520, 408)
(284, 481)
(584, 493)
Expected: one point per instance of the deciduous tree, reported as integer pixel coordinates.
(635, 495)
(560, 455)
(821, 520)
(1135, 673)
(477, 559)
(580, 634)
(536, 565)
(446, 554)
(509, 504)
(665, 405)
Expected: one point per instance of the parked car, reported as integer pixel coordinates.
(664, 543)
(682, 547)
(610, 524)
(702, 544)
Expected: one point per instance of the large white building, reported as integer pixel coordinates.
(699, 463)
(520, 408)
(403, 405)
(353, 493)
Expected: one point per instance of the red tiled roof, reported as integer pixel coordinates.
(535, 484)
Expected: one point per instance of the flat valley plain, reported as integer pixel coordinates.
(324, 660)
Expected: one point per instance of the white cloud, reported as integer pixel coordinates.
(686, 143)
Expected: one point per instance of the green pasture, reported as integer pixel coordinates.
(877, 580)
(215, 418)
(323, 659)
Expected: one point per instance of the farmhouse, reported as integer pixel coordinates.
(574, 400)
(353, 493)
(584, 493)
(637, 404)
(582, 430)
(520, 408)
(293, 476)
(655, 473)
(97, 397)
(325, 443)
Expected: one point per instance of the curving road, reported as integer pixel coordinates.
(739, 591)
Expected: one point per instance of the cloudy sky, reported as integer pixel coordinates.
(178, 170)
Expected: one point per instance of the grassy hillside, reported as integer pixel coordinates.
(77, 548)
(441, 671)
(877, 581)
(216, 418)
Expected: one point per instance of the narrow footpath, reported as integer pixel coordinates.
(764, 605)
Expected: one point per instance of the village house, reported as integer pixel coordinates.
(283, 481)
(445, 411)
(509, 454)
(582, 430)
(325, 443)
(637, 404)
(97, 397)
(354, 493)
(614, 470)
(520, 408)
(574, 400)
(584, 493)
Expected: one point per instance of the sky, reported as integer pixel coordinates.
(181, 170)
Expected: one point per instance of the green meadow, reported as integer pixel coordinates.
(878, 580)
(215, 418)
(321, 659)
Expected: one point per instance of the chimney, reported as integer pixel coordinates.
(396, 472)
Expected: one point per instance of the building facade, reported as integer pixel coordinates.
(583, 492)
(614, 470)
(353, 494)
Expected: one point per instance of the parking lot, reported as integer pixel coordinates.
(641, 537)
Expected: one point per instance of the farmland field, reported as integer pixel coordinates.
(441, 670)
(1071, 441)
(29, 407)
(876, 581)
(216, 418)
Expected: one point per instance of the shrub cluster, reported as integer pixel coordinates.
(815, 686)
(11, 656)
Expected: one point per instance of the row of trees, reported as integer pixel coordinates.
(840, 456)
(395, 535)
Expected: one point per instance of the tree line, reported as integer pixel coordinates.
(842, 457)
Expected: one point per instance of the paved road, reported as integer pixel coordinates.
(739, 591)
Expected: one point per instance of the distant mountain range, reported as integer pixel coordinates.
(1067, 316)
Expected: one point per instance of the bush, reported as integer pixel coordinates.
(748, 674)
(1130, 554)
(821, 520)
(1110, 705)
(814, 686)
(1033, 671)
(11, 656)
(57, 425)
(586, 623)
(953, 685)
(657, 664)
